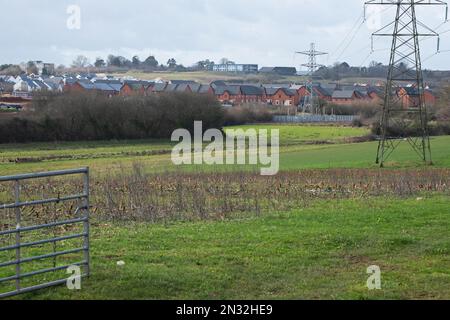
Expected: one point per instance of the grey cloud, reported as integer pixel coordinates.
(266, 32)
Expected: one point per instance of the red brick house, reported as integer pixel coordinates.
(132, 89)
(228, 94)
(346, 96)
(252, 94)
(409, 97)
(282, 97)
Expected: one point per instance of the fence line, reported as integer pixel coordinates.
(314, 119)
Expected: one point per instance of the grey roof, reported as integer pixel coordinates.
(182, 87)
(266, 69)
(279, 70)
(86, 84)
(109, 81)
(251, 90)
(135, 86)
(344, 94)
(52, 85)
(203, 88)
(171, 88)
(288, 92)
(271, 91)
(41, 84)
(233, 90)
(195, 87)
(323, 91)
(277, 85)
(103, 87)
(159, 87)
(116, 86)
(218, 83)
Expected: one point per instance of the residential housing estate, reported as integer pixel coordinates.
(228, 93)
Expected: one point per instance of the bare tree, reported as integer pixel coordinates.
(80, 62)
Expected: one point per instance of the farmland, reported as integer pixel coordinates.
(309, 147)
(228, 233)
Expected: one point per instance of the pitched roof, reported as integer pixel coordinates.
(288, 92)
(323, 91)
(204, 88)
(108, 81)
(134, 86)
(344, 94)
(87, 85)
(116, 86)
(171, 88)
(182, 87)
(41, 84)
(251, 90)
(218, 83)
(159, 87)
(103, 87)
(233, 90)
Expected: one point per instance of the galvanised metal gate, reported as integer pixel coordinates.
(80, 218)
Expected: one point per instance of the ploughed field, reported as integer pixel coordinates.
(229, 233)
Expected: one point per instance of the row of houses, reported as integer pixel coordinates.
(226, 93)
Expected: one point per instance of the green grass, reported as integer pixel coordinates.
(320, 252)
(295, 153)
(104, 156)
(295, 134)
(317, 252)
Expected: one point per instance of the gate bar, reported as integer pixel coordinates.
(45, 201)
(34, 288)
(35, 273)
(45, 256)
(36, 243)
(44, 226)
(43, 174)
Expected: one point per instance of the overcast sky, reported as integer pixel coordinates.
(266, 32)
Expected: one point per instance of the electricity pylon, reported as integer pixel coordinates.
(309, 101)
(404, 116)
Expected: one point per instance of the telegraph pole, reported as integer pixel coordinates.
(404, 116)
(309, 102)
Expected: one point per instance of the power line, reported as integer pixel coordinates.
(402, 117)
(348, 34)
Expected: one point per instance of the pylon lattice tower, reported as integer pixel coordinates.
(405, 116)
(309, 100)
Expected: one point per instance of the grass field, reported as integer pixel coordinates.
(298, 151)
(321, 252)
(228, 233)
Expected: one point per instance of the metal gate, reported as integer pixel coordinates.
(77, 219)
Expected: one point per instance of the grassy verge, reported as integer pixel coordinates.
(319, 252)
